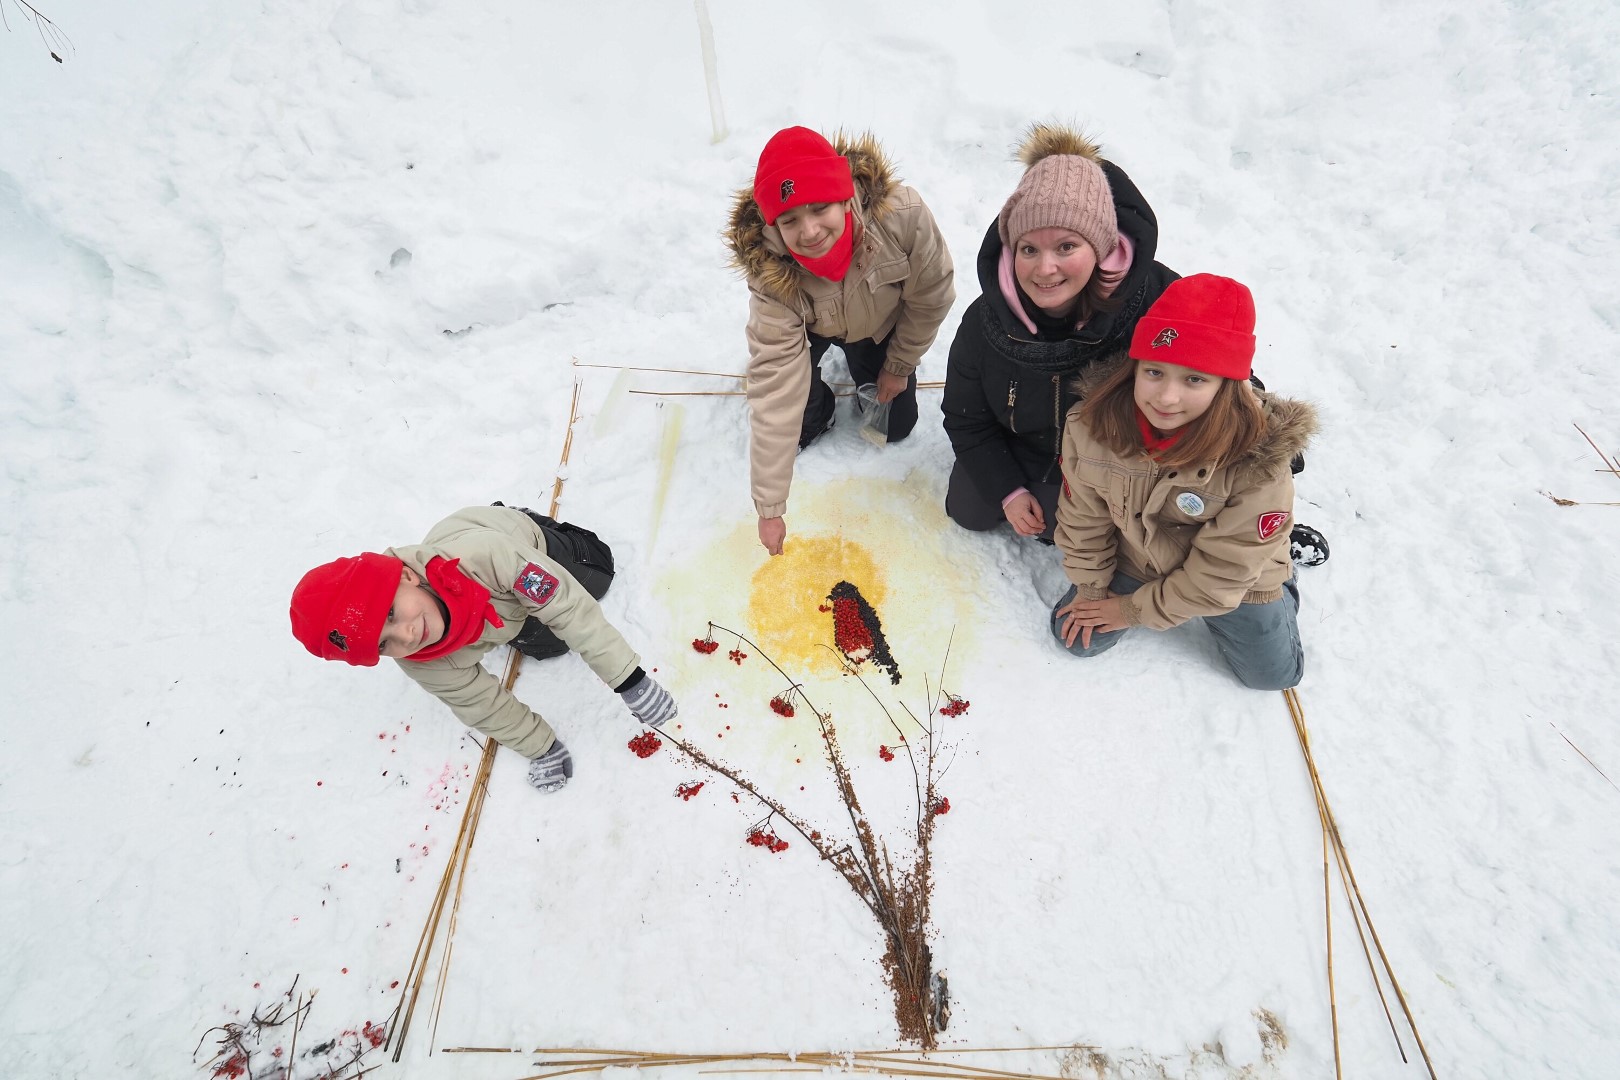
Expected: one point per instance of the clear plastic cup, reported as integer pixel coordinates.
(874, 415)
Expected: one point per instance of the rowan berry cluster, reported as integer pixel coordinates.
(781, 706)
(686, 791)
(767, 840)
(705, 645)
(375, 1035)
(885, 753)
(956, 707)
(645, 745)
(233, 1066)
(939, 806)
(737, 656)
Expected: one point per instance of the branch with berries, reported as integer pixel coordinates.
(898, 898)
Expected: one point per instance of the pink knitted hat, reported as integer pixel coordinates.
(1065, 191)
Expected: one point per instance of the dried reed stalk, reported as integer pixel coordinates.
(1584, 758)
(1610, 464)
(660, 370)
(455, 868)
(899, 1062)
(846, 390)
(1330, 823)
(1327, 911)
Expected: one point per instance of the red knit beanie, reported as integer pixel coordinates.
(339, 609)
(1203, 322)
(798, 167)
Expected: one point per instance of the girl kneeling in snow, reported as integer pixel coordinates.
(837, 252)
(1177, 493)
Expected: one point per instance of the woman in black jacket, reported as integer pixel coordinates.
(1065, 272)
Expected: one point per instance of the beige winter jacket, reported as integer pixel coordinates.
(495, 544)
(899, 287)
(1204, 537)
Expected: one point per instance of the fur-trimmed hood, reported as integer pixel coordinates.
(1290, 423)
(757, 250)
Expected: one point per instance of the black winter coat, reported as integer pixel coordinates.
(1006, 393)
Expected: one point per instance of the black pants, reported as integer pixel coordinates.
(584, 555)
(972, 509)
(865, 363)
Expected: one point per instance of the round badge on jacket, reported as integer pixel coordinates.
(1189, 504)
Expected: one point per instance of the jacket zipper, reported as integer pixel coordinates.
(1057, 429)
(1057, 417)
(1012, 400)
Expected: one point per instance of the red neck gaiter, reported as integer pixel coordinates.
(835, 264)
(1154, 443)
(468, 605)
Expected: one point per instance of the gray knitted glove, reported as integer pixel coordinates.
(650, 703)
(551, 770)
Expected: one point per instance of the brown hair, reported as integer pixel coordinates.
(1099, 295)
(1232, 425)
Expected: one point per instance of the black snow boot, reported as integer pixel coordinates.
(1307, 547)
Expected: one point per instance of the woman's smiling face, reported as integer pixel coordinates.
(1053, 265)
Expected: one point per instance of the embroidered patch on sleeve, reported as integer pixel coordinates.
(536, 584)
(1270, 523)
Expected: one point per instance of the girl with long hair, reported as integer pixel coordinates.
(1177, 494)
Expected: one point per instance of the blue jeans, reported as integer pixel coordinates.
(1259, 642)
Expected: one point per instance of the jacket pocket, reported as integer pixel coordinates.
(827, 317)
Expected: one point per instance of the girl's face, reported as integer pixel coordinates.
(813, 229)
(1172, 396)
(1053, 265)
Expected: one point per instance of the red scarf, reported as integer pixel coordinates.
(835, 264)
(465, 600)
(1154, 443)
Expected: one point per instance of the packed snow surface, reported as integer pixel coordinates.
(283, 282)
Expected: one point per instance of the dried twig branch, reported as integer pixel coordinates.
(898, 900)
(56, 42)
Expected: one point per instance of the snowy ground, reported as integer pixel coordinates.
(239, 246)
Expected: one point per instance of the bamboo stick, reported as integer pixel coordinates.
(461, 851)
(909, 1062)
(1327, 906)
(933, 384)
(660, 370)
(1297, 711)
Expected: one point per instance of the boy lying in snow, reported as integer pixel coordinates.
(484, 576)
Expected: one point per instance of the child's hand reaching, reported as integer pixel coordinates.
(772, 531)
(650, 703)
(1081, 617)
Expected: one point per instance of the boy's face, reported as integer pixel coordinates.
(414, 620)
